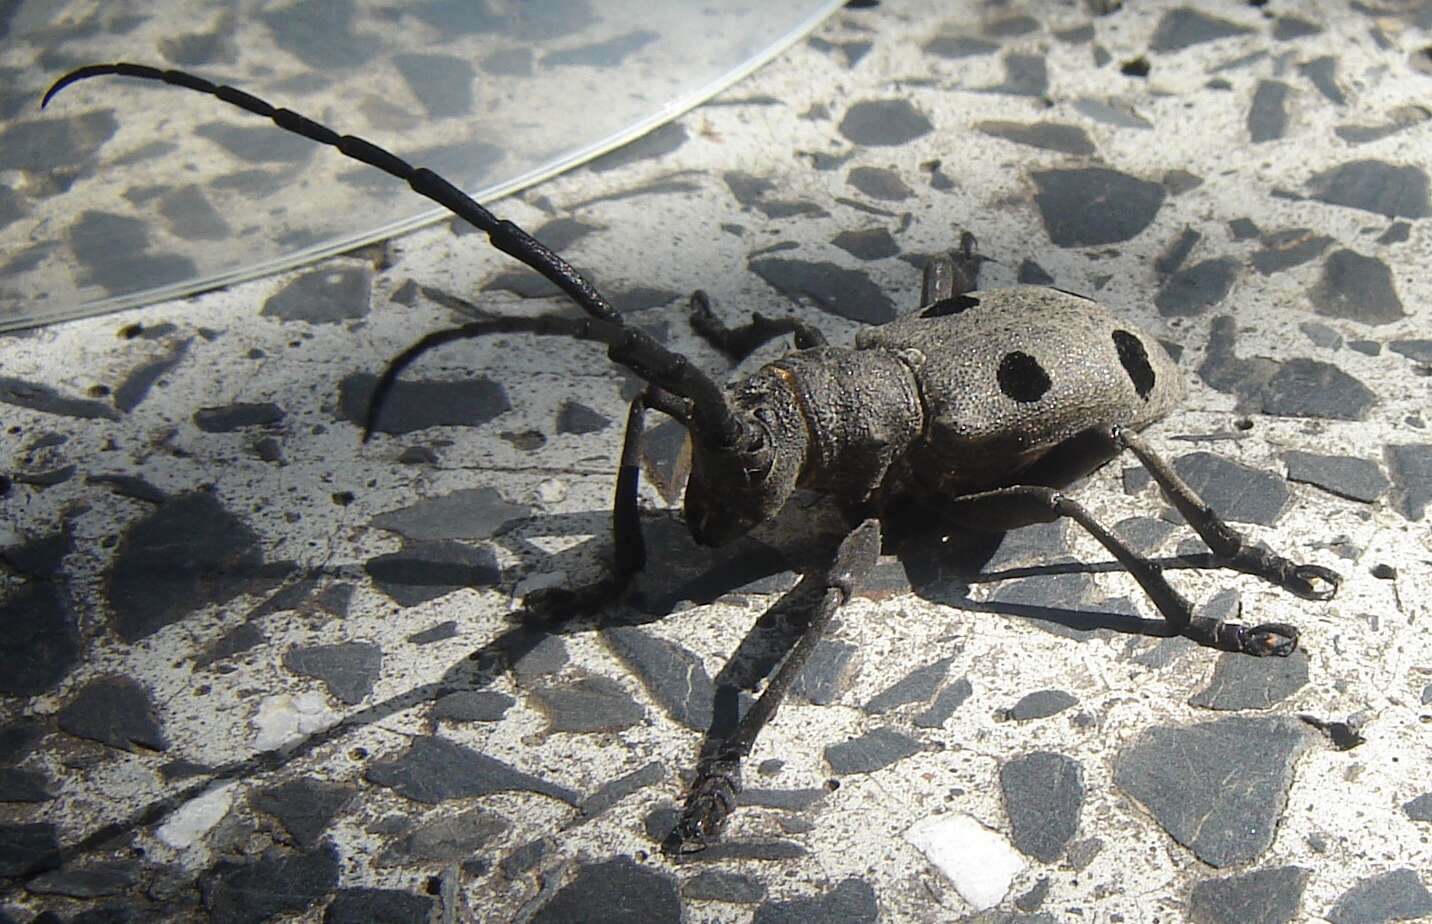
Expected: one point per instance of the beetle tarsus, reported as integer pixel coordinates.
(710, 803)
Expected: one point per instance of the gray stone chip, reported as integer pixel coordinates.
(871, 751)
(1182, 776)
(1043, 797)
(1095, 206)
(1410, 465)
(850, 902)
(1241, 682)
(1398, 895)
(915, 687)
(612, 891)
(115, 711)
(1358, 288)
(433, 770)
(592, 704)
(467, 513)
(1263, 896)
(348, 669)
(1238, 492)
(1345, 476)
(471, 706)
(1041, 705)
(673, 676)
(883, 123)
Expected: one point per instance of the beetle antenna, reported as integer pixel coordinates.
(713, 413)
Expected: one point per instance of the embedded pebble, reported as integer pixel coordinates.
(978, 862)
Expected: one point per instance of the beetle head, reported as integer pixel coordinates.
(733, 489)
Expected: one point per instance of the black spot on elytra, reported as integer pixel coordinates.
(1022, 378)
(1135, 360)
(947, 306)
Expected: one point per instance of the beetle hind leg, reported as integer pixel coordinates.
(951, 274)
(740, 342)
(1231, 548)
(1019, 505)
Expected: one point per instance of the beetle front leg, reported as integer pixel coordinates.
(628, 544)
(1021, 505)
(952, 274)
(1231, 548)
(713, 794)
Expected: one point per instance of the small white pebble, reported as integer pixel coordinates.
(284, 719)
(552, 491)
(197, 817)
(979, 863)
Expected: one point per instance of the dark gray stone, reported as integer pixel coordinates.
(954, 46)
(868, 244)
(714, 885)
(1182, 776)
(116, 711)
(609, 794)
(525, 857)
(915, 687)
(1111, 114)
(1311, 388)
(1224, 370)
(1030, 545)
(471, 706)
(444, 838)
(1048, 136)
(377, 906)
(39, 640)
(1143, 534)
(1194, 290)
(93, 881)
(1399, 119)
(1172, 258)
(1243, 229)
(1183, 27)
(188, 554)
(615, 891)
(442, 84)
(46, 400)
(18, 738)
(575, 417)
(433, 770)
(1095, 206)
(39, 558)
(348, 669)
(20, 785)
(135, 388)
(190, 215)
(1024, 75)
(1398, 895)
(28, 848)
(607, 53)
(850, 902)
(1365, 347)
(1288, 28)
(279, 883)
(305, 806)
(834, 289)
(674, 677)
(792, 800)
(1238, 492)
(879, 183)
(1032, 274)
(1283, 250)
(873, 750)
(1032, 899)
(1419, 809)
(1268, 116)
(592, 704)
(1263, 896)
(424, 571)
(233, 417)
(1043, 797)
(1357, 288)
(1418, 350)
(1041, 705)
(1345, 476)
(1374, 186)
(439, 632)
(130, 486)
(322, 297)
(1410, 465)
(1241, 682)
(46, 144)
(827, 672)
(1322, 72)
(945, 704)
(883, 123)
(1321, 335)
(531, 659)
(467, 513)
(418, 404)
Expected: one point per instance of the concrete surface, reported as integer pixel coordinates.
(253, 670)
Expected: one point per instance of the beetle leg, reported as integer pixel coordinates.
(1231, 548)
(1023, 504)
(952, 274)
(740, 342)
(712, 796)
(628, 544)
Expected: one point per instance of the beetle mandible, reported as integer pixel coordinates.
(963, 406)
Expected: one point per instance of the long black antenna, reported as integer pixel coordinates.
(713, 414)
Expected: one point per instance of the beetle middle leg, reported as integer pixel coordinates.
(712, 796)
(1020, 505)
(740, 342)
